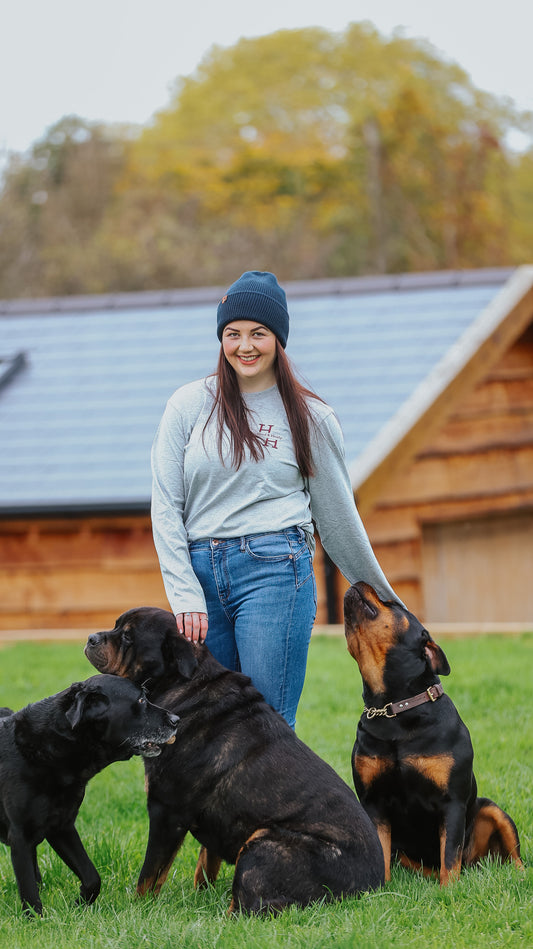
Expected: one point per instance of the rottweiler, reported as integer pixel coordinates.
(412, 758)
(49, 751)
(238, 778)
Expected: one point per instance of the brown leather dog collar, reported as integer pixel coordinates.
(392, 709)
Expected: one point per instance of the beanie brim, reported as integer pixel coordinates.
(256, 296)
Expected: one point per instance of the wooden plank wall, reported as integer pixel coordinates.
(76, 572)
(82, 572)
(476, 570)
(480, 464)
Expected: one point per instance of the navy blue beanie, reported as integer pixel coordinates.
(256, 295)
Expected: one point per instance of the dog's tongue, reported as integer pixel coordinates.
(171, 740)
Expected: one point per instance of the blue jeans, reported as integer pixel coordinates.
(261, 605)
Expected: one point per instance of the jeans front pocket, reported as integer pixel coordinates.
(269, 548)
(289, 547)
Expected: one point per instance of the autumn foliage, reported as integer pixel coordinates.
(305, 152)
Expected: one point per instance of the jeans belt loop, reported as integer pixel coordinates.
(243, 544)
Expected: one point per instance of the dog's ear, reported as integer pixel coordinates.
(86, 704)
(436, 659)
(178, 653)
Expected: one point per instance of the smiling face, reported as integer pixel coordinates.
(250, 349)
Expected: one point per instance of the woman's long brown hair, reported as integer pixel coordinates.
(232, 413)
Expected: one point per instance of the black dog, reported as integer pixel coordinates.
(49, 751)
(412, 759)
(238, 779)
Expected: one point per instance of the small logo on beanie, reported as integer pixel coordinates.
(224, 298)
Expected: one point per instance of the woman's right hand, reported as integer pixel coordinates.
(193, 626)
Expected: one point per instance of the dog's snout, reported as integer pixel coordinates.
(93, 639)
(172, 719)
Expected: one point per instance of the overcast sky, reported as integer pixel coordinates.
(115, 60)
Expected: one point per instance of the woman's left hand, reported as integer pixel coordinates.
(193, 626)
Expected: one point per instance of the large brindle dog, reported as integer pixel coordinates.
(238, 779)
(49, 751)
(412, 759)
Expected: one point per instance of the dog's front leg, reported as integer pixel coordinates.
(67, 844)
(383, 828)
(384, 833)
(452, 835)
(165, 838)
(24, 860)
(207, 868)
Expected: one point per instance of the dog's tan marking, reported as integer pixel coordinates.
(257, 835)
(207, 868)
(384, 834)
(417, 867)
(371, 653)
(114, 664)
(448, 874)
(154, 884)
(369, 640)
(435, 768)
(492, 835)
(369, 768)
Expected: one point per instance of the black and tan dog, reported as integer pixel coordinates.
(49, 751)
(238, 779)
(412, 759)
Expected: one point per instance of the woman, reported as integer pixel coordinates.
(243, 462)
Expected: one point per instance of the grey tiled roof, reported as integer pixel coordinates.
(79, 411)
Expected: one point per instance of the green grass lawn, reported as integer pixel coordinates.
(490, 906)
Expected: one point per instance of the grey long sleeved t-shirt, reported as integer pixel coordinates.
(195, 496)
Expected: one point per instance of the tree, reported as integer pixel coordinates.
(306, 152)
(52, 204)
(329, 154)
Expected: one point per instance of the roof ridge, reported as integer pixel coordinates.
(295, 288)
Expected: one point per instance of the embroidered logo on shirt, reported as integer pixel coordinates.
(266, 430)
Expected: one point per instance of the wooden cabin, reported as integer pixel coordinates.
(446, 492)
(431, 376)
